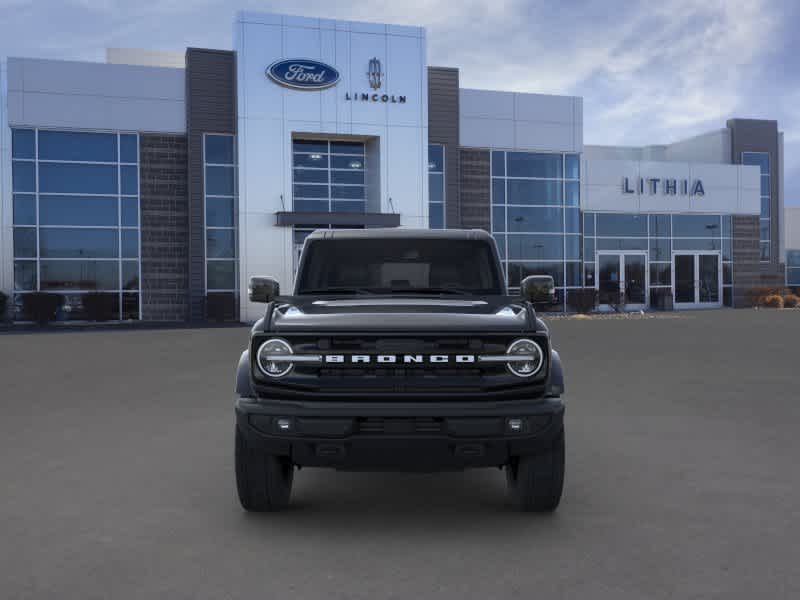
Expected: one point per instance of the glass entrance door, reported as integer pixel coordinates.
(621, 280)
(697, 280)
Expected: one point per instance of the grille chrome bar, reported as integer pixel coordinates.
(295, 358)
(505, 358)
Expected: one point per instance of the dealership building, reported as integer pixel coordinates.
(166, 180)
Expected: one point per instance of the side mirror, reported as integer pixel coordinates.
(263, 289)
(538, 289)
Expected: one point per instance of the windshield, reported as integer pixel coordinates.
(414, 266)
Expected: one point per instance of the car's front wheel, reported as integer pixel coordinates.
(535, 482)
(263, 481)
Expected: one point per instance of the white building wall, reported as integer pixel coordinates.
(512, 120)
(145, 58)
(729, 189)
(791, 228)
(269, 115)
(711, 147)
(84, 95)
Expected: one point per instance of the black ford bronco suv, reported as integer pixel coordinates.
(399, 350)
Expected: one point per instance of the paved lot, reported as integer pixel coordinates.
(682, 481)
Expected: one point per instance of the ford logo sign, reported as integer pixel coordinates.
(303, 74)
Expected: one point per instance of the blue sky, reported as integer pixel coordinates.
(649, 72)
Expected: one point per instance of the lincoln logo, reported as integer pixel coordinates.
(303, 74)
(391, 359)
(374, 73)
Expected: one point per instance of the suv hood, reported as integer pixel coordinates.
(406, 314)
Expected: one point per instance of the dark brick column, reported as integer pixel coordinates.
(443, 128)
(164, 210)
(475, 189)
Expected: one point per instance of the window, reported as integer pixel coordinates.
(436, 186)
(659, 235)
(793, 268)
(535, 216)
(328, 176)
(76, 218)
(762, 161)
(219, 152)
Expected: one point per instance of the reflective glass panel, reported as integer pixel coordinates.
(25, 242)
(760, 159)
(314, 175)
(523, 191)
(316, 161)
(311, 205)
(588, 249)
(660, 274)
(572, 220)
(310, 191)
(314, 146)
(436, 187)
(696, 225)
(24, 275)
(435, 158)
(219, 212)
(130, 307)
(23, 176)
(78, 243)
(23, 143)
(357, 177)
(535, 247)
(498, 164)
(221, 275)
(77, 178)
(660, 226)
(129, 180)
(621, 225)
(660, 249)
(78, 210)
(78, 146)
(24, 209)
(130, 275)
(219, 149)
(220, 243)
(347, 192)
(621, 244)
(128, 148)
(696, 244)
(436, 215)
(765, 208)
(572, 190)
(220, 181)
(130, 243)
(498, 218)
(588, 224)
(352, 206)
(529, 164)
(542, 219)
(356, 148)
(793, 258)
(727, 226)
(130, 212)
(517, 271)
(572, 164)
(572, 247)
(79, 275)
(498, 191)
(347, 162)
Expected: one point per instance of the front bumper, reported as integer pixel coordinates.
(417, 436)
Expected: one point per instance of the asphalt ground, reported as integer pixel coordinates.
(683, 477)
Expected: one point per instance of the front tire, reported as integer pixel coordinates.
(535, 482)
(263, 481)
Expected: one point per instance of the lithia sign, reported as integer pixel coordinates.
(310, 75)
(668, 187)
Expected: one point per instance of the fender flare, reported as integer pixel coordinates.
(243, 387)
(555, 380)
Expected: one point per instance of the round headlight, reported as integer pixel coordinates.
(527, 360)
(272, 357)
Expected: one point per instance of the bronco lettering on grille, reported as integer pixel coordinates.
(406, 359)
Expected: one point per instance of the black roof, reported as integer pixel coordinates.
(400, 233)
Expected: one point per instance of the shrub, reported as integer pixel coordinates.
(791, 301)
(3, 306)
(773, 301)
(582, 300)
(101, 307)
(41, 306)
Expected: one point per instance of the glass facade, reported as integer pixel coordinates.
(761, 160)
(436, 186)
(219, 156)
(328, 176)
(76, 219)
(536, 216)
(793, 268)
(658, 236)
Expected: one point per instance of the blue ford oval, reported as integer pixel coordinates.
(303, 74)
